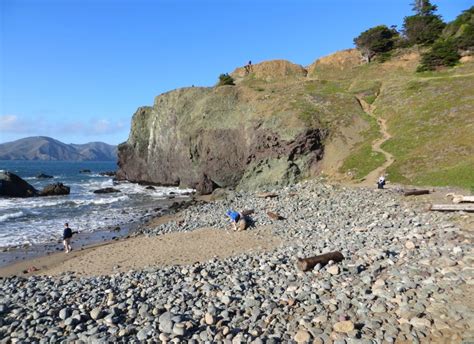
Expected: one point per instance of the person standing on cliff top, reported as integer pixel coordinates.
(67, 236)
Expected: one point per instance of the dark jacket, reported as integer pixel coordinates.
(67, 233)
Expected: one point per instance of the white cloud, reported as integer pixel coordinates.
(13, 124)
(8, 122)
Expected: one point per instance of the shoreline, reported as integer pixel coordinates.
(11, 255)
(139, 251)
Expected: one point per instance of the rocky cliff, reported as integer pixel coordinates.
(250, 135)
(282, 122)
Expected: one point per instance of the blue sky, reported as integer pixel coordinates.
(78, 70)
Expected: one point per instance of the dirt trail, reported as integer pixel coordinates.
(373, 176)
(454, 76)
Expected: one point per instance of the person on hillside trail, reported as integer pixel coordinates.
(381, 182)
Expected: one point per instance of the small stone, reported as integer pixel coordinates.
(163, 337)
(457, 250)
(64, 313)
(409, 245)
(96, 313)
(225, 300)
(302, 336)
(178, 329)
(333, 270)
(320, 319)
(142, 334)
(209, 318)
(380, 283)
(344, 326)
(166, 324)
(378, 308)
(420, 322)
(70, 321)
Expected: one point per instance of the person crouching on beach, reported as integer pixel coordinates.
(67, 236)
(234, 218)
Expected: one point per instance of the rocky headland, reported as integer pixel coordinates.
(405, 278)
(281, 123)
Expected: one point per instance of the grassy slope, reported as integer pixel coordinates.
(429, 115)
(431, 118)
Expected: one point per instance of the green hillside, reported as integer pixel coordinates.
(429, 115)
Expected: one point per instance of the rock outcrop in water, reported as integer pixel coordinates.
(13, 186)
(56, 189)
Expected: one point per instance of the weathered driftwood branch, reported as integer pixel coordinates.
(460, 198)
(306, 264)
(267, 195)
(275, 216)
(247, 212)
(415, 192)
(452, 207)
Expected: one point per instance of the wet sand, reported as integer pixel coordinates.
(142, 252)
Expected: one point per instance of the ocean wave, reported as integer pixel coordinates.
(14, 215)
(102, 200)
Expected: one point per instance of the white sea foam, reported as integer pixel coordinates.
(41, 219)
(107, 200)
(14, 215)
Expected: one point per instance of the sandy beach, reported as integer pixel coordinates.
(142, 252)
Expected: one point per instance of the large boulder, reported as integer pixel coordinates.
(13, 186)
(206, 185)
(106, 190)
(56, 189)
(108, 173)
(44, 176)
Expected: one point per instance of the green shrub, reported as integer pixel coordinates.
(461, 30)
(384, 57)
(425, 27)
(225, 79)
(374, 41)
(465, 41)
(422, 29)
(442, 53)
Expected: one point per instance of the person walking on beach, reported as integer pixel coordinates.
(67, 236)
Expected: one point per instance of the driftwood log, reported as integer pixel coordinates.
(460, 198)
(267, 195)
(275, 216)
(247, 212)
(415, 192)
(452, 207)
(307, 264)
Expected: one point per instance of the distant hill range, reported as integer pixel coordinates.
(46, 148)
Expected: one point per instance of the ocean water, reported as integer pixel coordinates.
(37, 220)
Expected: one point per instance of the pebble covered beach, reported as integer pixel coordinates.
(405, 279)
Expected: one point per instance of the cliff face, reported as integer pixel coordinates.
(269, 129)
(221, 133)
(282, 122)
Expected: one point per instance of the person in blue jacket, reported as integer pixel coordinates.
(67, 236)
(234, 217)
